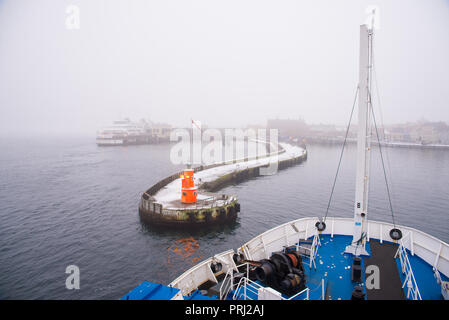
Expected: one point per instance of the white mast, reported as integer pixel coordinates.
(363, 144)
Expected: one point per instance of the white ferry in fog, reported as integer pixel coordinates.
(124, 132)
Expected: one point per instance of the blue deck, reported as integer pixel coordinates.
(332, 265)
(335, 266)
(151, 291)
(425, 279)
(155, 291)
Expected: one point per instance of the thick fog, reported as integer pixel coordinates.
(227, 63)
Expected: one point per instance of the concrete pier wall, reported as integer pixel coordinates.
(196, 216)
(219, 209)
(245, 174)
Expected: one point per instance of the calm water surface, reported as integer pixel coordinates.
(67, 201)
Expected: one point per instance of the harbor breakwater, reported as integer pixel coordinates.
(160, 204)
(390, 144)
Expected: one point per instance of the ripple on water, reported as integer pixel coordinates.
(70, 202)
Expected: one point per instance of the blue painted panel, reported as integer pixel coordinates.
(151, 291)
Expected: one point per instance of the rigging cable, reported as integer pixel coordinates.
(341, 154)
(382, 158)
(382, 123)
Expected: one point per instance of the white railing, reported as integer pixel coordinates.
(246, 285)
(432, 250)
(406, 268)
(312, 250)
(228, 281)
(201, 272)
(306, 290)
(227, 284)
(323, 290)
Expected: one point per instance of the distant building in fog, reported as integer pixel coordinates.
(161, 131)
(420, 132)
(288, 127)
(423, 132)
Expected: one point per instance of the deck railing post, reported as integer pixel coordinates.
(246, 285)
(322, 288)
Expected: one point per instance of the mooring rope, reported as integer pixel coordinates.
(341, 153)
(382, 158)
(382, 123)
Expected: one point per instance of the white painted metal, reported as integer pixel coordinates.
(201, 273)
(443, 284)
(412, 286)
(435, 264)
(314, 249)
(178, 296)
(332, 233)
(247, 285)
(425, 246)
(322, 290)
(367, 233)
(363, 141)
(227, 284)
(306, 290)
(228, 281)
(381, 233)
(269, 294)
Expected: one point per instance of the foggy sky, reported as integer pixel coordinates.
(226, 63)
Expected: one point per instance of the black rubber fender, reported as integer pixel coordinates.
(216, 267)
(321, 226)
(395, 234)
(238, 258)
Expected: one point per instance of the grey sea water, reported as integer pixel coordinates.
(66, 201)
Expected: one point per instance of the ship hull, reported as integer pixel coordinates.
(424, 252)
(125, 141)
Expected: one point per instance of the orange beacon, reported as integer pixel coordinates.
(188, 188)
